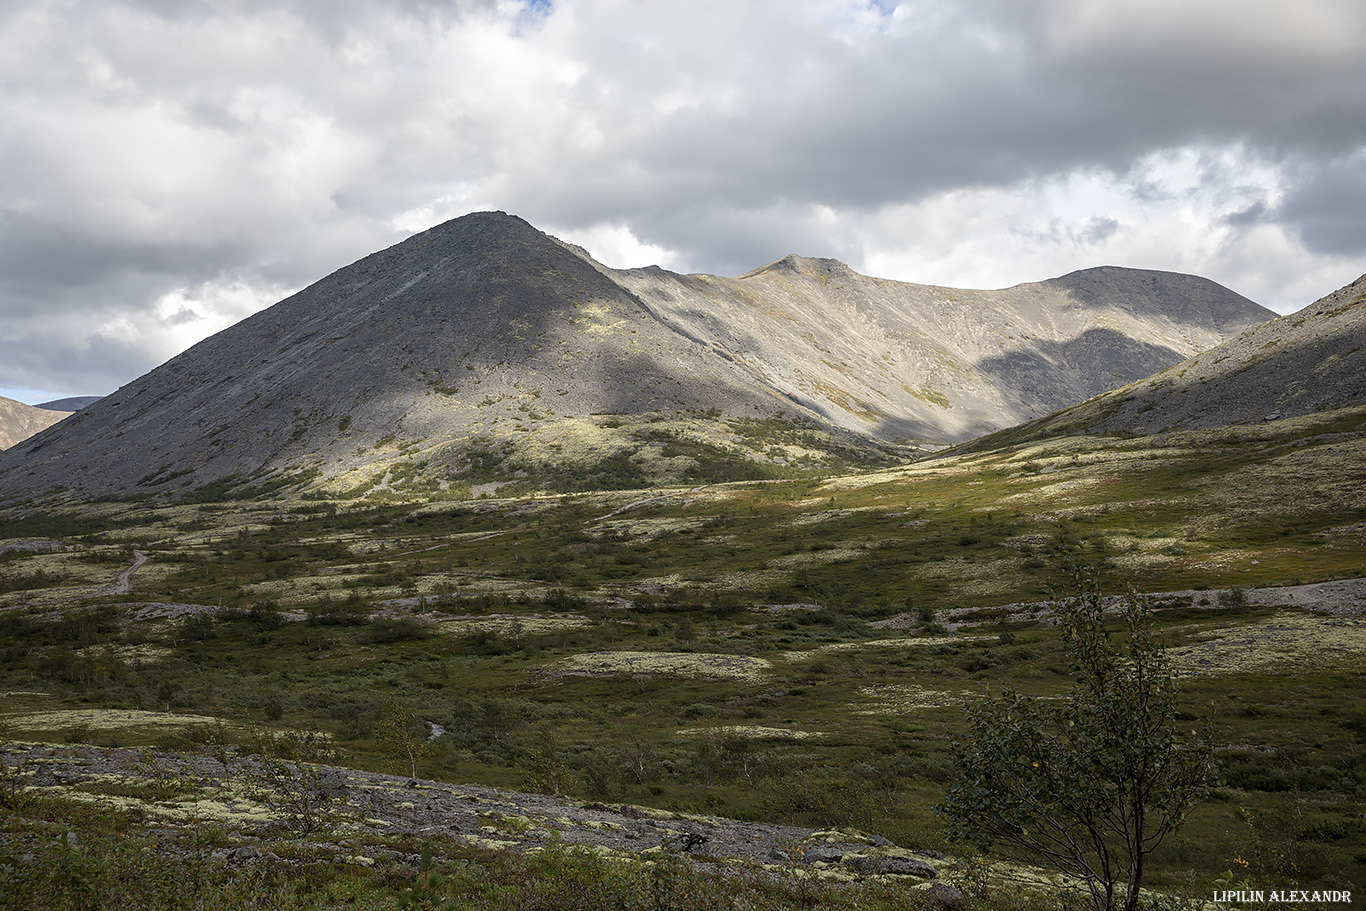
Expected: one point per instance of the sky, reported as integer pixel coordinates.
(168, 167)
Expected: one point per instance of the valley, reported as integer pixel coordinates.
(481, 575)
(786, 651)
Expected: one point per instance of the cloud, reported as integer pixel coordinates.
(221, 154)
(1326, 204)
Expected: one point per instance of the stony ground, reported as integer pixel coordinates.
(1339, 598)
(255, 802)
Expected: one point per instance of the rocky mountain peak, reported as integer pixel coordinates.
(1173, 295)
(1306, 362)
(802, 265)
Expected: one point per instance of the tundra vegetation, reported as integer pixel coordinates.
(1093, 782)
(801, 650)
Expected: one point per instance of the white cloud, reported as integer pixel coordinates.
(617, 247)
(200, 156)
(994, 237)
(184, 316)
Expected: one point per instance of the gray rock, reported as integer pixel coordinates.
(332, 782)
(942, 895)
(243, 854)
(830, 854)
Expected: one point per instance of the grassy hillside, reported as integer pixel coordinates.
(788, 650)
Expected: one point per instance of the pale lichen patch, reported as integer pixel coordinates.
(101, 720)
(756, 731)
(812, 558)
(677, 664)
(511, 624)
(127, 652)
(641, 530)
(828, 515)
(894, 698)
(1280, 643)
(919, 642)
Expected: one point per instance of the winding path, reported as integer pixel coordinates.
(125, 583)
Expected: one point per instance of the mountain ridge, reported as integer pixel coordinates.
(70, 403)
(484, 340)
(1312, 360)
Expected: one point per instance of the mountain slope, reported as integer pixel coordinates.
(463, 333)
(895, 361)
(483, 350)
(18, 421)
(1309, 361)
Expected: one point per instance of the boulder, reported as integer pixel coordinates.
(942, 895)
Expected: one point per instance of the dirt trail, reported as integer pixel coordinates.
(648, 501)
(125, 583)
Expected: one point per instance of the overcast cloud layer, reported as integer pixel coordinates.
(168, 167)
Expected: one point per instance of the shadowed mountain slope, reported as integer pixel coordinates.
(483, 350)
(1313, 360)
(18, 421)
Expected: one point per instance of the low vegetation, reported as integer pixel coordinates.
(801, 651)
(1094, 782)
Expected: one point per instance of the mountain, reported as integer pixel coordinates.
(1313, 360)
(72, 403)
(934, 365)
(484, 351)
(18, 421)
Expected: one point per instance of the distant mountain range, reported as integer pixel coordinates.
(484, 352)
(72, 403)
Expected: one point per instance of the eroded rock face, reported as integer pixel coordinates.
(483, 338)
